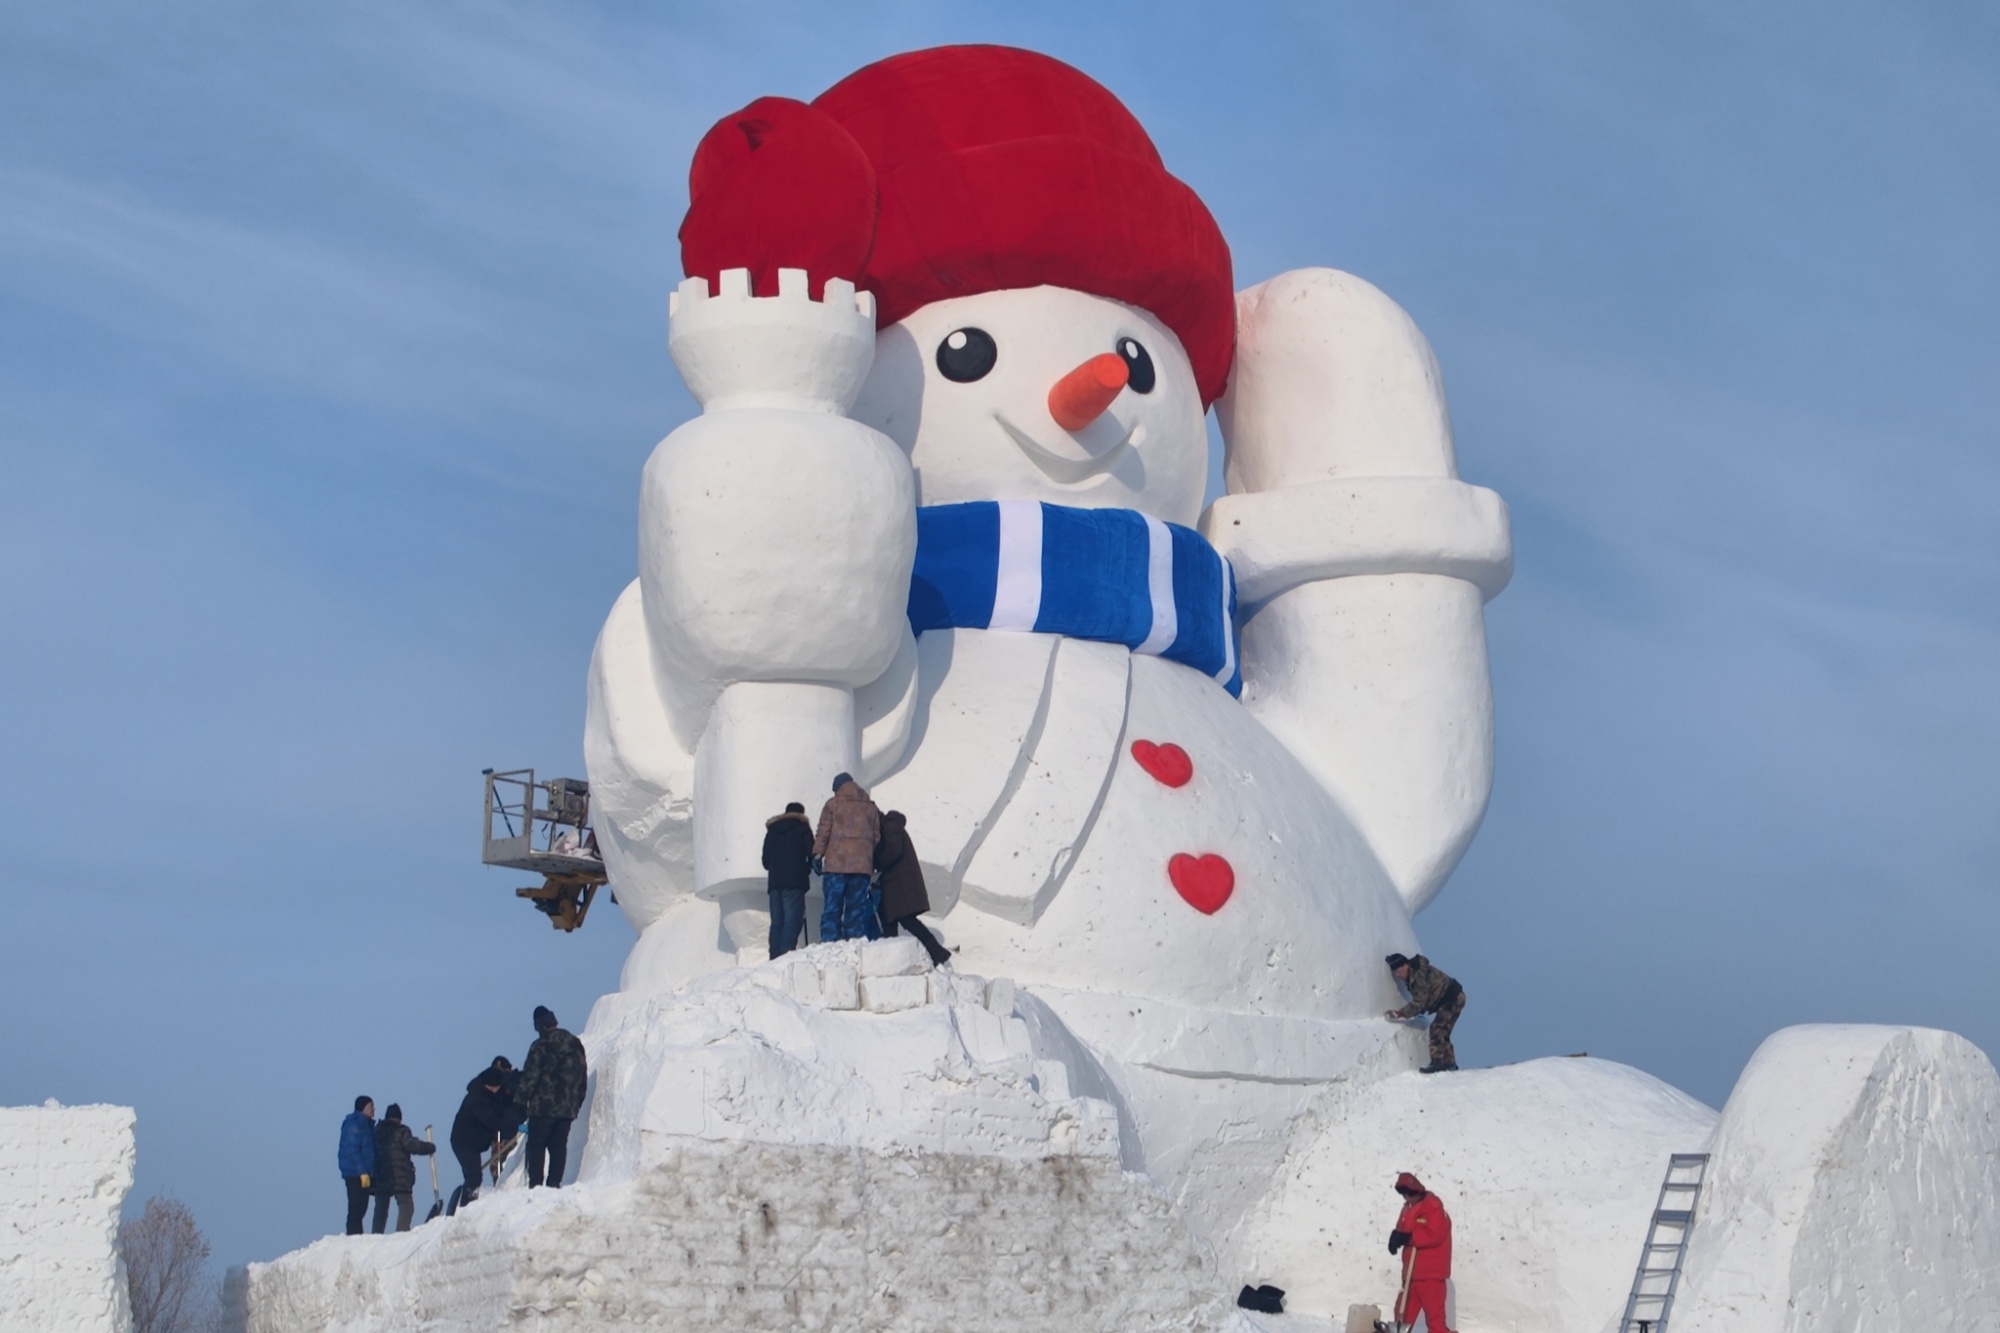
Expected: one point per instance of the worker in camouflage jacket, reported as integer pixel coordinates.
(553, 1080)
(1431, 992)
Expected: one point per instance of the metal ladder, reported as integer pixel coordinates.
(1659, 1275)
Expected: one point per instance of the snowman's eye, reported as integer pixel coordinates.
(966, 355)
(1139, 377)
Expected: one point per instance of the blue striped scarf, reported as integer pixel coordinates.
(1114, 575)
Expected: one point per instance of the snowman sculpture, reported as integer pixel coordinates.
(1186, 775)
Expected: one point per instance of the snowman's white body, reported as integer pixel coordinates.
(760, 651)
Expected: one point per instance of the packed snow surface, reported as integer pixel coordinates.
(1549, 1170)
(64, 1173)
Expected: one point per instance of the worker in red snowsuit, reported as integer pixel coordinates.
(1423, 1233)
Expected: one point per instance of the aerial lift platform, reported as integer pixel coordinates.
(544, 827)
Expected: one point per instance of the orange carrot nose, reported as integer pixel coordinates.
(1081, 396)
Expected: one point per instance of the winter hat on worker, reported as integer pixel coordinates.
(395, 1112)
(544, 1017)
(959, 170)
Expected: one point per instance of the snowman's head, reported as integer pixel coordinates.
(1042, 393)
(1025, 246)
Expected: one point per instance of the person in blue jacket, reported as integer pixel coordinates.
(357, 1159)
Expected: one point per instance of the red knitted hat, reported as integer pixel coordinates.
(960, 170)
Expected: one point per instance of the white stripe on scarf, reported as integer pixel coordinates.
(1017, 592)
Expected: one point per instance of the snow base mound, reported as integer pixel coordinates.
(839, 1139)
(1854, 1183)
(1549, 1169)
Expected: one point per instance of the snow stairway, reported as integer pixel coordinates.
(1659, 1275)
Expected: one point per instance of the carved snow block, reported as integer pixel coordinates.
(840, 985)
(899, 956)
(888, 995)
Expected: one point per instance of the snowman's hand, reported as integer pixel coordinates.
(786, 351)
(1340, 458)
(776, 534)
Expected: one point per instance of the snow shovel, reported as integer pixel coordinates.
(502, 1150)
(437, 1203)
(1397, 1311)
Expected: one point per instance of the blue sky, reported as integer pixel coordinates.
(332, 340)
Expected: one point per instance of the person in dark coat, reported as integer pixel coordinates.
(357, 1159)
(486, 1114)
(788, 850)
(554, 1079)
(510, 1077)
(904, 897)
(395, 1173)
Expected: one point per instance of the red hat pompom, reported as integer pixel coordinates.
(995, 168)
(778, 185)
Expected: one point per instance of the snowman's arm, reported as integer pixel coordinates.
(776, 536)
(1362, 566)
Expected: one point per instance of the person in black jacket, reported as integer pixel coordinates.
(788, 847)
(903, 893)
(487, 1113)
(395, 1174)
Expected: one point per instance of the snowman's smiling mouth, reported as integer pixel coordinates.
(1068, 471)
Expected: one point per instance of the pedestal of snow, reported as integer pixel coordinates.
(64, 1173)
(1854, 1183)
(838, 1139)
(1549, 1170)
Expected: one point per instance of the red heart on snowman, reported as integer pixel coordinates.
(1205, 881)
(1168, 763)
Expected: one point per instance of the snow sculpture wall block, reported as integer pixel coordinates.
(64, 1173)
(1854, 1183)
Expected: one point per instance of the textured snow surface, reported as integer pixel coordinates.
(839, 1139)
(1549, 1169)
(64, 1173)
(772, 1236)
(1854, 1184)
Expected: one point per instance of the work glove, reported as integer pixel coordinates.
(818, 866)
(1397, 1240)
(364, 1180)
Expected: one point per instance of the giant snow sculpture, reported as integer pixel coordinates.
(1180, 780)
(1013, 232)
(957, 557)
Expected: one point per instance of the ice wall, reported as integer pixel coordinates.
(64, 1173)
(1854, 1183)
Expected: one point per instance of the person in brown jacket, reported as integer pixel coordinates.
(844, 846)
(902, 887)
